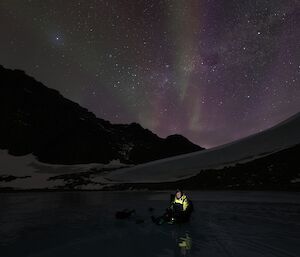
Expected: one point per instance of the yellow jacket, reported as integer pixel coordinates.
(182, 200)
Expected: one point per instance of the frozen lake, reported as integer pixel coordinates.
(240, 224)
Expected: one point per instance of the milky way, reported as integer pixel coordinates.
(211, 70)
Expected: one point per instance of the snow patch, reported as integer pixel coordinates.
(39, 172)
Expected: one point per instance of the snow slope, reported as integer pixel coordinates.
(29, 173)
(37, 173)
(281, 136)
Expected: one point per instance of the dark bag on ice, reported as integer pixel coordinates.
(124, 214)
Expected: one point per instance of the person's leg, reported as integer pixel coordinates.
(182, 216)
(168, 215)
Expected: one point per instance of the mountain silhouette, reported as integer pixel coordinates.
(39, 120)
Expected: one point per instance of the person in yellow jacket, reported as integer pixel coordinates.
(179, 210)
(180, 202)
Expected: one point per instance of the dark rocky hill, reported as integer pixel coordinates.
(39, 120)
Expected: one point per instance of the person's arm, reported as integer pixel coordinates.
(172, 204)
(185, 204)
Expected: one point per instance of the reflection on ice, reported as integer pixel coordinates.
(185, 244)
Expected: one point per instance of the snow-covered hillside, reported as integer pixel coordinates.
(26, 172)
(281, 136)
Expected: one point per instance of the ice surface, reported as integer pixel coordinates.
(235, 224)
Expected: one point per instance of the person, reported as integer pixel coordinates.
(179, 211)
(180, 208)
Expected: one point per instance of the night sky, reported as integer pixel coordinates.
(211, 70)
